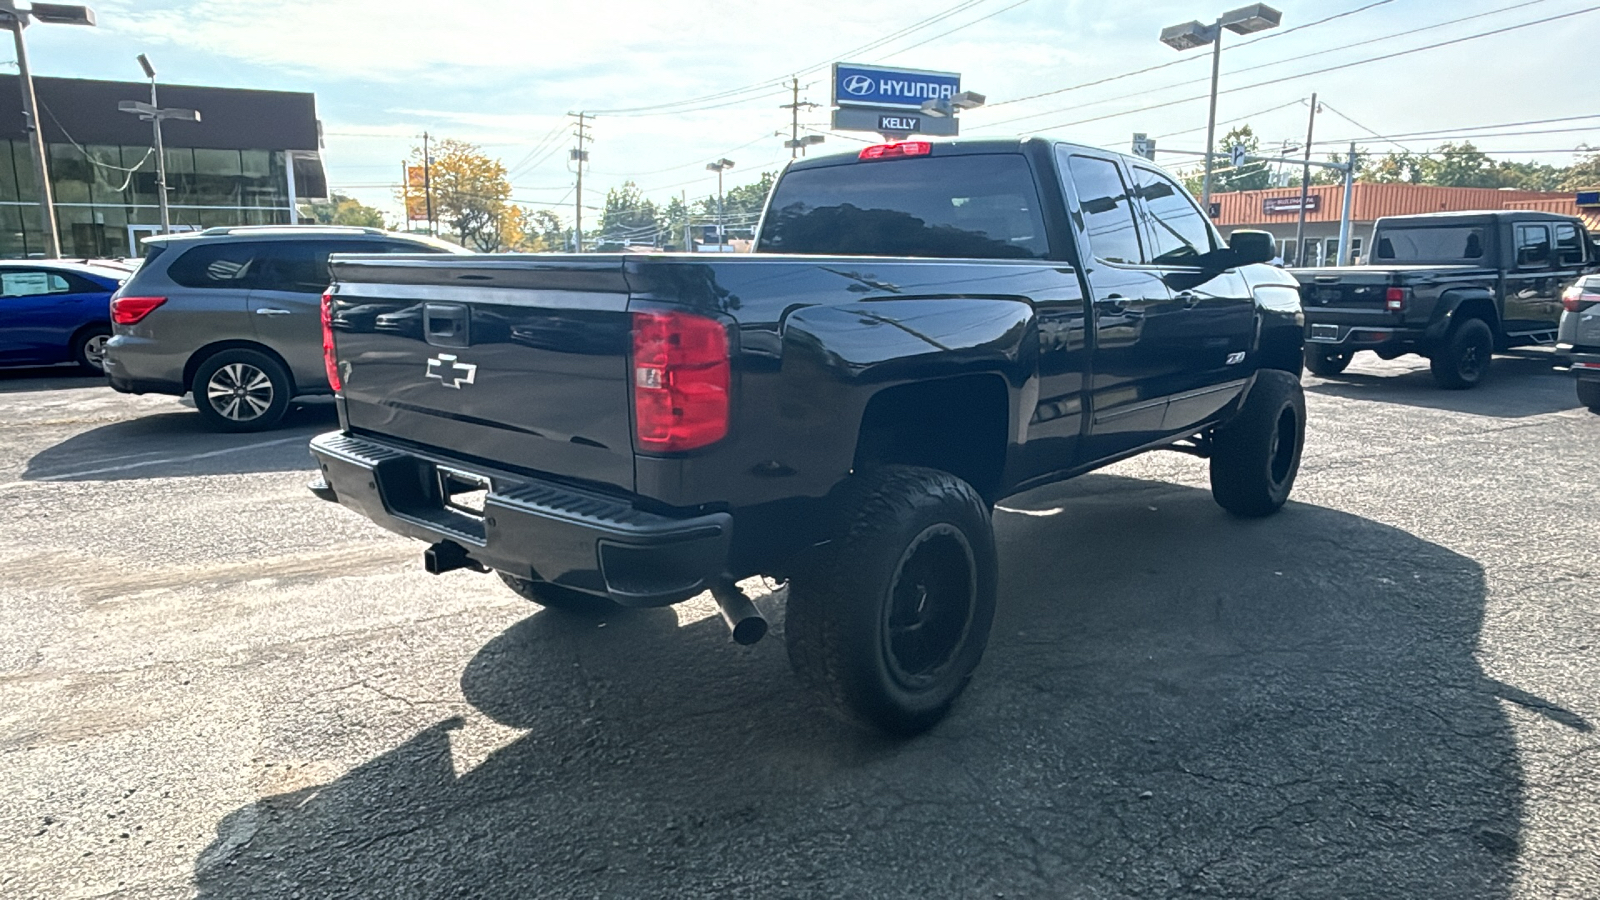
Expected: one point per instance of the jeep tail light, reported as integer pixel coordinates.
(896, 150)
(680, 381)
(1395, 298)
(132, 310)
(1576, 299)
(329, 363)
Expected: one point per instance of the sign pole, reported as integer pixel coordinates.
(1344, 216)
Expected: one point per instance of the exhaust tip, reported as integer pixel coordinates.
(749, 630)
(744, 621)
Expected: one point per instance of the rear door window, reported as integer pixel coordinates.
(1569, 244)
(32, 283)
(1178, 232)
(1107, 210)
(1533, 246)
(982, 206)
(222, 265)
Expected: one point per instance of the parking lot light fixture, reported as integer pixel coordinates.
(1244, 20)
(153, 113)
(720, 166)
(17, 15)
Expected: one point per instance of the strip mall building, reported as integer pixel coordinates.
(1278, 211)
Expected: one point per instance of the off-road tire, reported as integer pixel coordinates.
(266, 390)
(89, 349)
(887, 620)
(1589, 395)
(1255, 457)
(563, 599)
(1463, 361)
(1326, 364)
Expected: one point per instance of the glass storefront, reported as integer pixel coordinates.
(106, 195)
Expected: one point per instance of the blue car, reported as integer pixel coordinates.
(56, 311)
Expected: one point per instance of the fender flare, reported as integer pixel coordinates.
(1444, 312)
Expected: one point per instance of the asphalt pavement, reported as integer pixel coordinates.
(213, 684)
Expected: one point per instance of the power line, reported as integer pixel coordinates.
(1437, 132)
(1238, 119)
(960, 27)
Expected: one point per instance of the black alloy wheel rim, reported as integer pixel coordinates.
(1284, 438)
(932, 598)
(1471, 365)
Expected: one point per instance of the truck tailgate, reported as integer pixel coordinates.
(520, 360)
(1349, 287)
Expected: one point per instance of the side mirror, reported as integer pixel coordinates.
(1249, 247)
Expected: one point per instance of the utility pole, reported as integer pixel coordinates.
(797, 147)
(427, 182)
(579, 156)
(1344, 215)
(1305, 188)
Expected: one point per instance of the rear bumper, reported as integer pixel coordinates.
(138, 366)
(531, 528)
(1342, 337)
(1584, 365)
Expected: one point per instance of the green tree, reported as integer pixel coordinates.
(1462, 165)
(1402, 167)
(1585, 173)
(343, 210)
(629, 217)
(1252, 176)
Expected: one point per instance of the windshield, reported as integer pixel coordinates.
(1439, 244)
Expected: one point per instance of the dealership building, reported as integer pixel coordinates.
(1277, 211)
(248, 161)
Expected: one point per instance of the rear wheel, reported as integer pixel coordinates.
(1464, 359)
(1326, 363)
(1255, 457)
(241, 390)
(89, 349)
(554, 596)
(1589, 394)
(890, 617)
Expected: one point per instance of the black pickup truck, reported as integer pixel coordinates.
(922, 330)
(1453, 287)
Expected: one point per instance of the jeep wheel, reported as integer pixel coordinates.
(241, 390)
(1589, 395)
(1326, 363)
(1464, 360)
(1255, 457)
(890, 617)
(554, 596)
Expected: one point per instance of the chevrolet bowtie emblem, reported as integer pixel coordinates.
(451, 372)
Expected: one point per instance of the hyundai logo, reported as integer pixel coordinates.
(859, 85)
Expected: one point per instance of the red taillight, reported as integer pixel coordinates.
(897, 149)
(130, 310)
(1395, 298)
(329, 363)
(1576, 299)
(680, 381)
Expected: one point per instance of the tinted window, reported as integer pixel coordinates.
(1444, 244)
(296, 266)
(32, 283)
(224, 264)
(982, 207)
(1178, 232)
(1106, 210)
(1533, 245)
(1569, 244)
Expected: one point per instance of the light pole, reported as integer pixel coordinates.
(152, 112)
(17, 15)
(1244, 20)
(720, 166)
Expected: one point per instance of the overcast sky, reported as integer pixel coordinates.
(504, 74)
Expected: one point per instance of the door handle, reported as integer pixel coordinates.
(1115, 301)
(1190, 299)
(273, 311)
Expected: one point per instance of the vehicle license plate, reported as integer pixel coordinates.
(1328, 333)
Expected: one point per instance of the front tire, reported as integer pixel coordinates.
(241, 390)
(563, 599)
(1589, 395)
(1326, 363)
(1463, 362)
(1256, 456)
(889, 618)
(89, 349)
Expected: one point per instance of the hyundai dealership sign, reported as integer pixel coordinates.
(880, 86)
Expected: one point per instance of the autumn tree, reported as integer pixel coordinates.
(470, 190)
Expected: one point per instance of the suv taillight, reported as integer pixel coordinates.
(329, 363)
(680, 381)
(130, 310)
(1395, 298)
(1576, 299)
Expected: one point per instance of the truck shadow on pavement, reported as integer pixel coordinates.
(1516, 387)
(1174, 702)
(179, 444)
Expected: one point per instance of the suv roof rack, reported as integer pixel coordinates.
(248, 229)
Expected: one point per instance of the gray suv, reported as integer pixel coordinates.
(234, 316)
